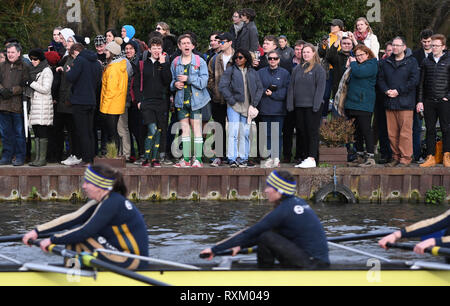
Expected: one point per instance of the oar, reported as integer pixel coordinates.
(358, 237)
(410, 247)
(90, 261)
(150, 259)
(17, 238)
(330, 239)
(230, 252)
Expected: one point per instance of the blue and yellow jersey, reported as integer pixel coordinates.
(295, 220)
(430, 226)
(115, 221)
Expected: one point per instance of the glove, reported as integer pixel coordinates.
(26, 83)
(6, 93)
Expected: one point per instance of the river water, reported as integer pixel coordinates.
(178, 231)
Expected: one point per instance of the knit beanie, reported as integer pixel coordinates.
(52, 57)
(82, 40)
(130, 32)
(114, 46)
(37, 53)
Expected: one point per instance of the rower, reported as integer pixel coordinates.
(422, 228)
(291, 232)
(109, 221)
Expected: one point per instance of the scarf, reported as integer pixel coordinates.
(238, 27)
(34, 71)
(361, 37)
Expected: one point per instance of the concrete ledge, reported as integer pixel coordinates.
(378, 184)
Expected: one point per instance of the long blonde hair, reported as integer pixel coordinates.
(369, 29)
(314, 61)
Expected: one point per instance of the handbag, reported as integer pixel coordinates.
(341, 93)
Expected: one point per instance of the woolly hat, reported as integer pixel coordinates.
(99, 40)
(66, 33)
(52, 57)
(134, 44)
(36, 53)
(130, 32)
(82, 40)
(114, 46)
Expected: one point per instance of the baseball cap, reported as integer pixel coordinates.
(337, 22)
(226, 36)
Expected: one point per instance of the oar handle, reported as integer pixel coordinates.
(410, 247)
(245, 251)
(18, 238)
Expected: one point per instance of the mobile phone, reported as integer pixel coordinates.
(273, 88)
(352, 54)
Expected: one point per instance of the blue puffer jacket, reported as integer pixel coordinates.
(404, 76)
(198, 79)
(361, 89)
(275, 104)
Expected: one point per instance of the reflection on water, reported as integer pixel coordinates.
(178, 231)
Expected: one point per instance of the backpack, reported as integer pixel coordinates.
(197, 61)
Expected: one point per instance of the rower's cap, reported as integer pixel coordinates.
(282, 185)
(105, 183)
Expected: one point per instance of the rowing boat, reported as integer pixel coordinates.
(238, 272)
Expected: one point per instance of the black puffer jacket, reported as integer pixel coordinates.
(435, 79)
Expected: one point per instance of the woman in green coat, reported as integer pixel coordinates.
(360, 101)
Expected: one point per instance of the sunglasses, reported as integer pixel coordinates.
(273, 58)
(33, 59)
(240, 57)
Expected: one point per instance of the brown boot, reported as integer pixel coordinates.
(429, 162)
(447, 159)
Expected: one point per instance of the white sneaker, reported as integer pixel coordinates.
(68, 160)
(276, 163)
(72, 161)
(268, 163)
(307, 163)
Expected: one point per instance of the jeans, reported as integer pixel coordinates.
(277, 122)
(13, 136)
(238, 136)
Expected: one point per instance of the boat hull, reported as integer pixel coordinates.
(238, 278)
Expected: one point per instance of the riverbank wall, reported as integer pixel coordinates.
(374, 185)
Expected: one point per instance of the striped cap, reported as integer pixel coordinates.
(97, 180)
(280, 184)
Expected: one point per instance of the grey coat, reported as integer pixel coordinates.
(306, 89)
(231, 86)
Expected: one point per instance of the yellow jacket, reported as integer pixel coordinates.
(114, 88)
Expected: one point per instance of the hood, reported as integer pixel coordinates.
(130, 31)
(88, 55)
(120, 64)
(408, 53)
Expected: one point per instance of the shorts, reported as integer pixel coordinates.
(187, 112)
(154, 113)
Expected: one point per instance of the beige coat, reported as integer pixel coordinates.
(41, 112)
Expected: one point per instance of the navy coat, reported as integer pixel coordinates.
(86, 78)
(404, 76)
(274, 105)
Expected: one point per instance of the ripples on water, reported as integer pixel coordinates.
(178, 231)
